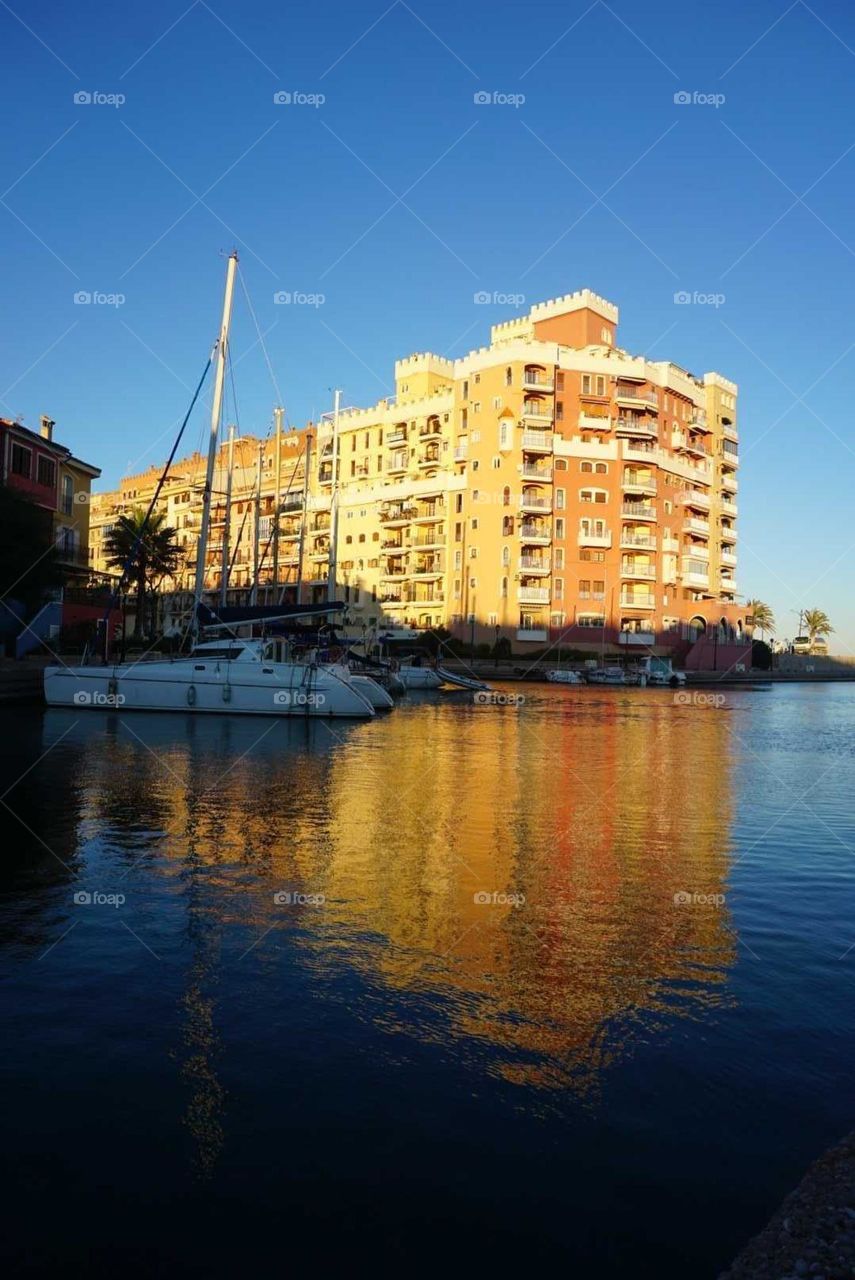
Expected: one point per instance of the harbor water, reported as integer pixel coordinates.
(563, 981)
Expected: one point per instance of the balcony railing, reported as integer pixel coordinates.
(588, 539)
(634, 394)
(537, 379)
(533, 595)
(638, 511)
(534, 533)
(538, 441)
(637, 600)
(637, 427)
(630, 570)
(595, 422)
(535, 564)
(537, 473)
(641, 541)
(529, 502)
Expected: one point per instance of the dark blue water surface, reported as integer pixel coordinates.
(427, 990)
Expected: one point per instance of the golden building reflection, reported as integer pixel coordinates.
(579, 816)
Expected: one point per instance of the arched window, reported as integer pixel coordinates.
(587, 466)
(560, 464)
(509, 376)
(506, 556)
(506, 497)
(601, 468)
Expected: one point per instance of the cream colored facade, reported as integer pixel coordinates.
(547, 486)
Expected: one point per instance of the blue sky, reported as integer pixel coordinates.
(399, 197)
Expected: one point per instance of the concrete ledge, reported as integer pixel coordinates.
(813, 1232)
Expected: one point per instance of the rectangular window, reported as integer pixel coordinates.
(67, 495)
(560, 499)
(46, 472)
(559, 528)
(586, 384)
(559, 557)
(21, 461)
(559, 589)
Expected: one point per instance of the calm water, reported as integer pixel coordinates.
(580, 1071)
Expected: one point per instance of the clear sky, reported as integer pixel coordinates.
(399, 197)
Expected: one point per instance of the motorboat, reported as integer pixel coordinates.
(564, 675)
(238, 676)
(606, 675)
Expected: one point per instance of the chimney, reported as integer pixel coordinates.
(47, 426)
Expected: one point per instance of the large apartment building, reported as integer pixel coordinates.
(547, 486)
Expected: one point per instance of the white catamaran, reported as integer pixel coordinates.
(242, 676)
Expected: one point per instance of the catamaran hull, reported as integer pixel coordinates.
(206, 688)
(419, 678)
(372, 692)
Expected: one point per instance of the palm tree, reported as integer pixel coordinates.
(146, 550)
(817, 623)
(760, 615)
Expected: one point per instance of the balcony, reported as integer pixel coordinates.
(645, 571)
(393, 544)
(729, 432)
(461, 452)
(595, 422)
(639, 541)
(698, 420)
(634, 483)
(634, 396)
(670, 544)
(728, 508)
(538, 380)
(637, 638)
(691, 578)
(693, 525)
(532, 472)
(534, 564)
(536, 412)
(537, 535)
(427, 540)
(728, 557)
(638, 511)
(426, 513)
(695, 498)
(643, 429)
(535, 502)
(696, 550)
(430, 458)
(395, 573)
(533, 595)
(430, 430)
(637, 600)
(729, 585)
(396, 515)
(587, 539)
(397, 436)
(538, 441)
(397, 465)
(427, 570)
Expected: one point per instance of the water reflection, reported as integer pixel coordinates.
(579, 816)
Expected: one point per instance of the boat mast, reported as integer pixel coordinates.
(334, 501)
(301, 547)
(256, 558)
(224, 576)
(216, 413)
(277, 413)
